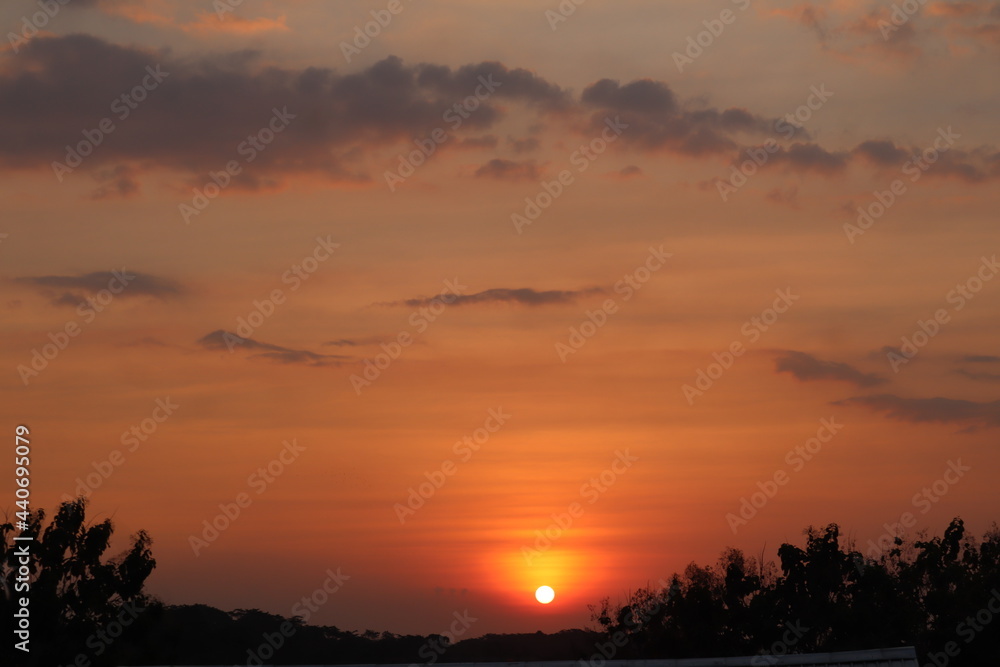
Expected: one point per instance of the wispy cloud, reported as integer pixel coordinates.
(524, 295)
(980, 359)
(970, 414)
(509, 170)
(226, 340)
(979, 376)
(71, 290)
(806, 367)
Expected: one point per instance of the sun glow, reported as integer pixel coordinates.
(545, 594)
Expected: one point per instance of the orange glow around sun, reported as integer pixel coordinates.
(519, 579)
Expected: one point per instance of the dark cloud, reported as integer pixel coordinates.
(970, 414)
(656, 120)
(525, 296)
(806, 367)
(979, 376)
(204, 108)
(882, 153)
(971, 166)
(980, 359)
(71, 290)
(509, 170)
(629, 171)
(226, 340)
(809, 156)
(644, 96)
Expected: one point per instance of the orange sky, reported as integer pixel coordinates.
(677, 201)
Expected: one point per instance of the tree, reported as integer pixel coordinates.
(930, 593)
(79, 601)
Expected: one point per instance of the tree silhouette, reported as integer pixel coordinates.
(925, 593)
(80, 601)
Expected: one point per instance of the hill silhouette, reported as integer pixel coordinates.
(940, 594)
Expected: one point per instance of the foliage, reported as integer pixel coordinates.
(827, 597)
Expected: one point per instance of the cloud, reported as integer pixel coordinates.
(625, 173)
(117, 182)
(882, 153)
(71, 290)
(788, 197)
(162, 14)
(205, 107)
(642, 96)
(226, 340)
(861, 34)
(806, 367)
(981, 359)
(809, 156)
(979, 375)
(355, 342)
(971, 414)
(205, 110)
(509, 170)
(485, 141)
(526, 145)
(657, 121)
(524, 296)
(971, 166)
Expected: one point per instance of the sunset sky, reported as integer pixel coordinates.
(618, 264)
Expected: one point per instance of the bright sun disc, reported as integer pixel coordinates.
(545, 594)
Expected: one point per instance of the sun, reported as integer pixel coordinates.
(545, 594)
